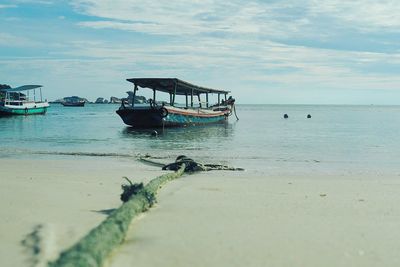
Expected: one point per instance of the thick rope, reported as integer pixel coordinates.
(191, 165)
(234, 109)
(93, 249)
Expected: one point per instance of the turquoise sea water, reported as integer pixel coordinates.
(337, 140)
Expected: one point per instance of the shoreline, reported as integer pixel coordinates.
(205, 219)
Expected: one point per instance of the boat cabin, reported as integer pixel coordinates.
(23, 100)
(175, 87)
(14, 96)
(169, 113)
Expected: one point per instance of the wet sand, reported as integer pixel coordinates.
(205, 219)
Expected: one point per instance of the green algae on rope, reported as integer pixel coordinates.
(191, 165)
(93, 249)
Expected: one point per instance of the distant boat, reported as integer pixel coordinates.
(73, 101)
(71, 104)
(170, 114)
(22, 100)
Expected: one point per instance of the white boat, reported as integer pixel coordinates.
(22, 100)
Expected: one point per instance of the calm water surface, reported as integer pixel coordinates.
(337, 140)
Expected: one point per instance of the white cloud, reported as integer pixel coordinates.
(105, 66)
(235, 44)
(8, 6)
(274, 19)
(261, 61)
(42, 2)
(7, 39)
(179, 17)
(11, 40)
(365, 15)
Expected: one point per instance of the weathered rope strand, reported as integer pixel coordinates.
(92, 250)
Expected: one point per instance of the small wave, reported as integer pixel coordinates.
(89, 154)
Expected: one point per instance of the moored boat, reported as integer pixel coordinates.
(70, 104)
(73, 101)
(170, 114)
(22, 100)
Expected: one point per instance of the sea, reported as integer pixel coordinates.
(336, 140)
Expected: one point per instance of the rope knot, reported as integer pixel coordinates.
(129, 190)
(191, 165)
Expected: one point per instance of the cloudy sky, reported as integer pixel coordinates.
(278, 52)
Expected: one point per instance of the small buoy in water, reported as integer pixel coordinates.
(308, 116)
(154, 133)
(286, 116)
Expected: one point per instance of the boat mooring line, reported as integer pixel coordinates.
(191, 165)
(234, 109)
(93, 249)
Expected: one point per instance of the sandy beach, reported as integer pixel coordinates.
(205, 219)
(230, 219)
(57, 201)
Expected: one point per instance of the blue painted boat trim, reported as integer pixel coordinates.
(187, 119)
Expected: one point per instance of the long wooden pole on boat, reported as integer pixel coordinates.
(191, 99)
(173, 100)
(198, 97)
(134, 95)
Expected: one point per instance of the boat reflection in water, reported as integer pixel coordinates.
(182, 138)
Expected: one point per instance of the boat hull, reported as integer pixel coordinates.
(10, 110)
(173, 117)
(73, 104)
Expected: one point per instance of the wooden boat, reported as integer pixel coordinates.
(73, 101)
(72, 104)
(22, 100)
(170, 114)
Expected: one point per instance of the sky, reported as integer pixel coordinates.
(264, 52)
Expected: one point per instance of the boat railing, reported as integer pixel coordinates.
(154, 104)
(14, 102)
(20, 102)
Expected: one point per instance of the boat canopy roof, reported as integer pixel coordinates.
(20, 88)
(169, 85)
